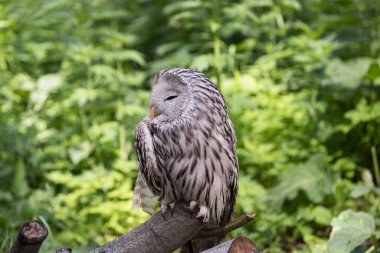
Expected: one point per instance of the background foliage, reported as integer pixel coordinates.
(301, 78)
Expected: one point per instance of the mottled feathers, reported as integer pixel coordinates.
(186, 149)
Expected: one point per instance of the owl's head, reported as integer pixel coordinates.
(170, 98)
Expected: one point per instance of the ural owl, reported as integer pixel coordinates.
(186, 149)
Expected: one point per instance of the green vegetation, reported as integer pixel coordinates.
(301, 79)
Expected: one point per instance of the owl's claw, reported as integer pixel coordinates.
(200, 211)
(192, 205)
(163, 215)
(164, 208)
(171, 207)
(204, 214)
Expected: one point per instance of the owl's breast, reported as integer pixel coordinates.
(189, 147)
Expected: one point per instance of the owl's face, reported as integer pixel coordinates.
(169, 99)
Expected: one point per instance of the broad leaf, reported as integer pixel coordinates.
(80, 152)
(45, 85)
(310, 177)
(347, 74)
(360, 190)
(349, 230)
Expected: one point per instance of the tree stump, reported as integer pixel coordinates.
(30, 238)
(238, 245)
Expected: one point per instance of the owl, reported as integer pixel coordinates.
(186, 148)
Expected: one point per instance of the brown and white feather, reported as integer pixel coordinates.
(188, 152)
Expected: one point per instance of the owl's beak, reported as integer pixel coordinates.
(153, 112)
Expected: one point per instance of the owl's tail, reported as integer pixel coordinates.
(143, 197)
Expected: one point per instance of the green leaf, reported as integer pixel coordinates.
(80, 152)
(203, 62)
(45, 85)
(122, 55)
(23, 82)
(322, 215)
(180, 6)
(347, 74)
(5, 196)
(349, 230)
(5, 23)
(359, 191)
(310, 177)
(48, 83)
(363, 113)
(319, 248)
(373, 71)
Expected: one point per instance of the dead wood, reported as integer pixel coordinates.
(30, 238)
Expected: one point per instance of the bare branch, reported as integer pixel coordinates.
(158, 234)
(167, 233)
(212, 232)
(30, 238)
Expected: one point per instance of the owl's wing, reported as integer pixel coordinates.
(148, 180)
(143, 197)
(233, 173)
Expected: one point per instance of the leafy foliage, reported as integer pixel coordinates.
(301, 79)
(350, 229)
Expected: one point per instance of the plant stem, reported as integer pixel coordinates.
(375, 165)
(217, 59)
(369, 250)
(375, 243)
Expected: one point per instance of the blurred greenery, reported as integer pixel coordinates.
(302, 83)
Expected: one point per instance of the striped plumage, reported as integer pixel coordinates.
(187, 149)
(143, 197)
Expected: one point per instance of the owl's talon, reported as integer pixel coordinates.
(171, 207)
(163, 208)
(192, 205)
(204, 214)
(163, 216)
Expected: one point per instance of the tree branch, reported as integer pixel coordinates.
(30, 238)
(167, 233)
(158, 234)
(211, 232)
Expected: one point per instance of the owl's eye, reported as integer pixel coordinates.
(170, 98)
